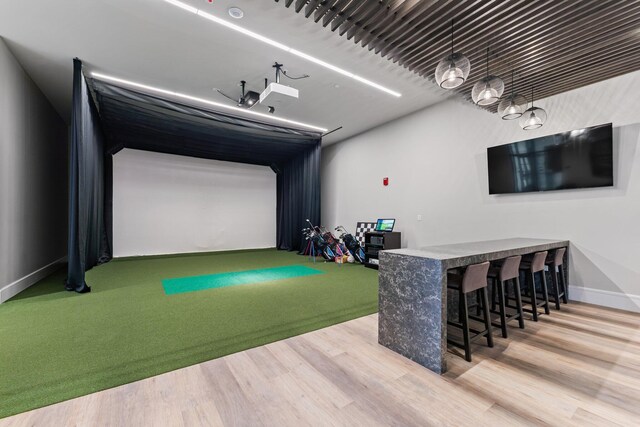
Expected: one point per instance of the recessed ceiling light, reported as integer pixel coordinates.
(286, 48)
(236, 12)
(269, 117)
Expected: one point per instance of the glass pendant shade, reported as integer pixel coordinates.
(533, 118)
(452, 71)
(512, 107)
(488, 90)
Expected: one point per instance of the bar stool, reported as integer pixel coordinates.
(474, 278)
(556, 268)
(507, 273)
(536, 265)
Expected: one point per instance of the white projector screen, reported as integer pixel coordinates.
(165, 204)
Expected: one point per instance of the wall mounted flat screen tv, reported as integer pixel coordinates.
(579, 158)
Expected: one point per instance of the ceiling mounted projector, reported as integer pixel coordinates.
(247, 99)
(274, 94)
(277, 93)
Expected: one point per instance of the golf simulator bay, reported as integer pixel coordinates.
(128, 328)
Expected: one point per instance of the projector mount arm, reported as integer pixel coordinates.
(279, 71)
(236, 100)
(227, 96)
(247, 99)
(244, 94)
(250, 99)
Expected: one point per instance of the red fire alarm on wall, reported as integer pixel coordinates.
(385, 181)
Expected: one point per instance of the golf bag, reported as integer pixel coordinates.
(335, 245)
(318, 245)
(352, 244)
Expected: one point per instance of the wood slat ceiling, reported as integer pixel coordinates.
(555, 45)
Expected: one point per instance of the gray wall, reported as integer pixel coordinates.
(33, 178)
(436, 161)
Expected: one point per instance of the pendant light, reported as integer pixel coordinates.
(453, 70)
(512, 106)
(489, 89)
(534, 117)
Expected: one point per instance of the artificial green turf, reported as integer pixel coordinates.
(56, 345)
(234, 278)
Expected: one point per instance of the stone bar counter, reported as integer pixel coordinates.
(412, 316)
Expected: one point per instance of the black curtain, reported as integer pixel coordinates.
(124, 118)
(298, 192)
(90, 170)
(142, 121)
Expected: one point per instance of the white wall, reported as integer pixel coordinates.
(165, 204)
(33, 181)
(437, 164)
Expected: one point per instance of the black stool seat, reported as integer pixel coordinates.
(473, 279)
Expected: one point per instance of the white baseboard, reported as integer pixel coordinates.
(13, 289)
(605, 298)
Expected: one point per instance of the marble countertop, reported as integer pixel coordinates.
(412, 293)
(462, 251)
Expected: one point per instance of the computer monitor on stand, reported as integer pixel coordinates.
(385, 224)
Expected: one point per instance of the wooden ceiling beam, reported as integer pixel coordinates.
(299, 5)
(477, 41)
(366, 17)
(311, 7)
(406, 11)
(356, 19)
(347, 16)
(465, 27)
(334, 11)
(373, 24)
(323, 9)
(556, 45)
(548, 45)
(437, 31)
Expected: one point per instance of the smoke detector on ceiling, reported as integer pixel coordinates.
(235, 12)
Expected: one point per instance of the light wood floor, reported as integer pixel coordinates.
(579, 366)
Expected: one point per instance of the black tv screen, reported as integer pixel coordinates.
(576, 159)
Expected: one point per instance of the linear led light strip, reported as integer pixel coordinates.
(204, 101)
(274, 43)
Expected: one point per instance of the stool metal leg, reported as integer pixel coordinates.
(503, 309)
(556, 285)
(487, 316)
(565, 299)
(519, 302)
(507, 295)
(465, 327)
(494, 288)
(532, 291)
(545, 293)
